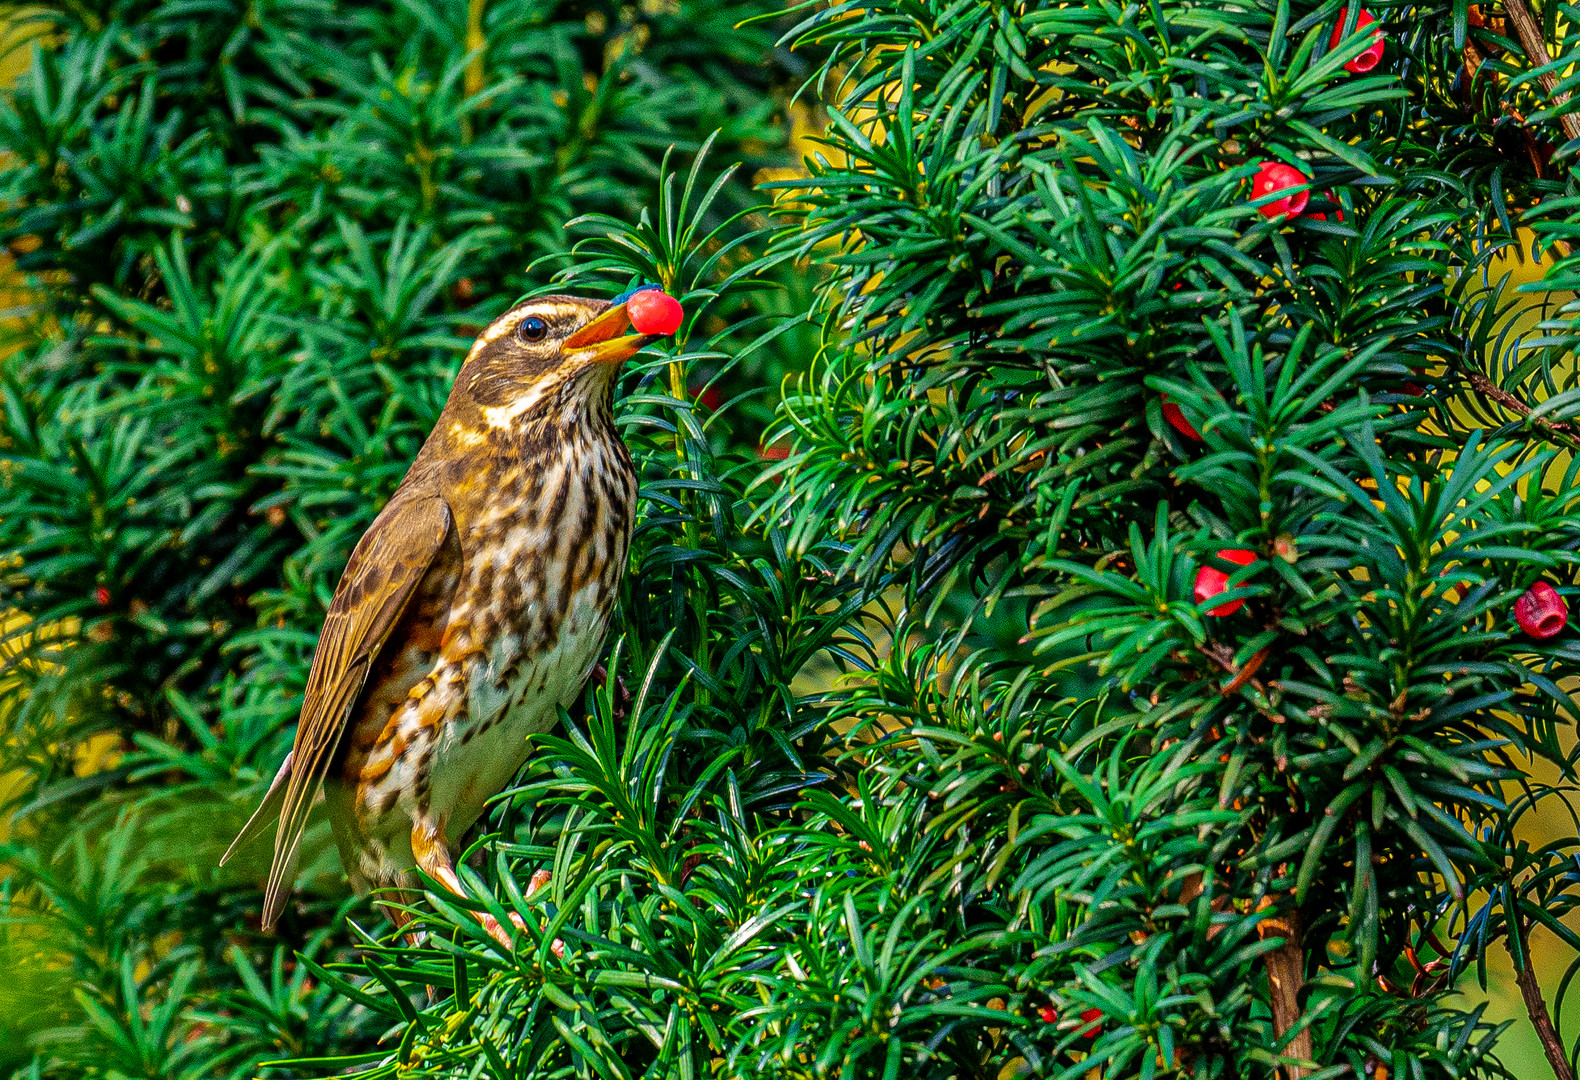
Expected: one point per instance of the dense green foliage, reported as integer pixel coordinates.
(933, 765)
(257, 240)
(1149, 807)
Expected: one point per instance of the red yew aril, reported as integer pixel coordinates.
(653, 311)
(1177, 421)
(1274, 177)
(1338, 211)
(708, 395)
(1210, 581)
(1541, 612)
(1093, 1018)
(1374, 52)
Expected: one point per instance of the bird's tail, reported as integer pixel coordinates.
(266, 815)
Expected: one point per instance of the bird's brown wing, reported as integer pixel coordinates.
(385, 569)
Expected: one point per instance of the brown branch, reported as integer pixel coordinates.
(1536, 1005)
(1245, 674)
(1473, 62)
(1473, 72)
(1530, 35)
(1539, 151)
(1222, 655)
(1487, 388)
(1534, 149)
(1286, 977)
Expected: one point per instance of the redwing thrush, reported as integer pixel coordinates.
(475, 605)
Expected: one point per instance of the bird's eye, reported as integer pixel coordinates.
(534, 328)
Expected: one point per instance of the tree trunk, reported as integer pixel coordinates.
(1286, 975)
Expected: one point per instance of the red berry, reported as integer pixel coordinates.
(1093, 1018)
(708, 396)
(101, 596)
(1211, 582)
(654, 312)
(1274, 177)
(1176, 419)
(1338, 211)
(1374, 52)
(1049, 1014)
(1541, 612)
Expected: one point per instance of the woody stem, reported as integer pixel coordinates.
(474, 44)
(1536, 1005)
(1286, 977)
(1530, 34)
(1535, 49)
(1558, 430)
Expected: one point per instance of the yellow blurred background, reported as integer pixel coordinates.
(1519, 1047)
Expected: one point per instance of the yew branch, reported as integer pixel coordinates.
(1562, 430)
(1536, 1005)
(1286, 977)
(1530, 34)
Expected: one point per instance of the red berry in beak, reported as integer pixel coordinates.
(1541, 612)
(654, 312)
(1177, 421)
(1374, 52)
(1210, 582)
(1274, 177)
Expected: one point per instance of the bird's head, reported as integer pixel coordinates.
(556, 358)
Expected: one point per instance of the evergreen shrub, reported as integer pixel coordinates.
(1137, 645)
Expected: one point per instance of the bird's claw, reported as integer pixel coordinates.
(622, 696)
(540, 878)
(496, 931)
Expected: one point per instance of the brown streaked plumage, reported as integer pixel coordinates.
(472, 609)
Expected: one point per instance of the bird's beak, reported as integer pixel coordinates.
(604, 340)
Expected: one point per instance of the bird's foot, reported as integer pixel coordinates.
(496, 931)
(540, 878)
(622, 697)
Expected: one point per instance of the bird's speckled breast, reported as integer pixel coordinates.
(533, 587)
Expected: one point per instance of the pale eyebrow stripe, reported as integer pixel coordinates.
(562, 318)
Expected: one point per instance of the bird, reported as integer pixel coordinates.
(474, 607)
